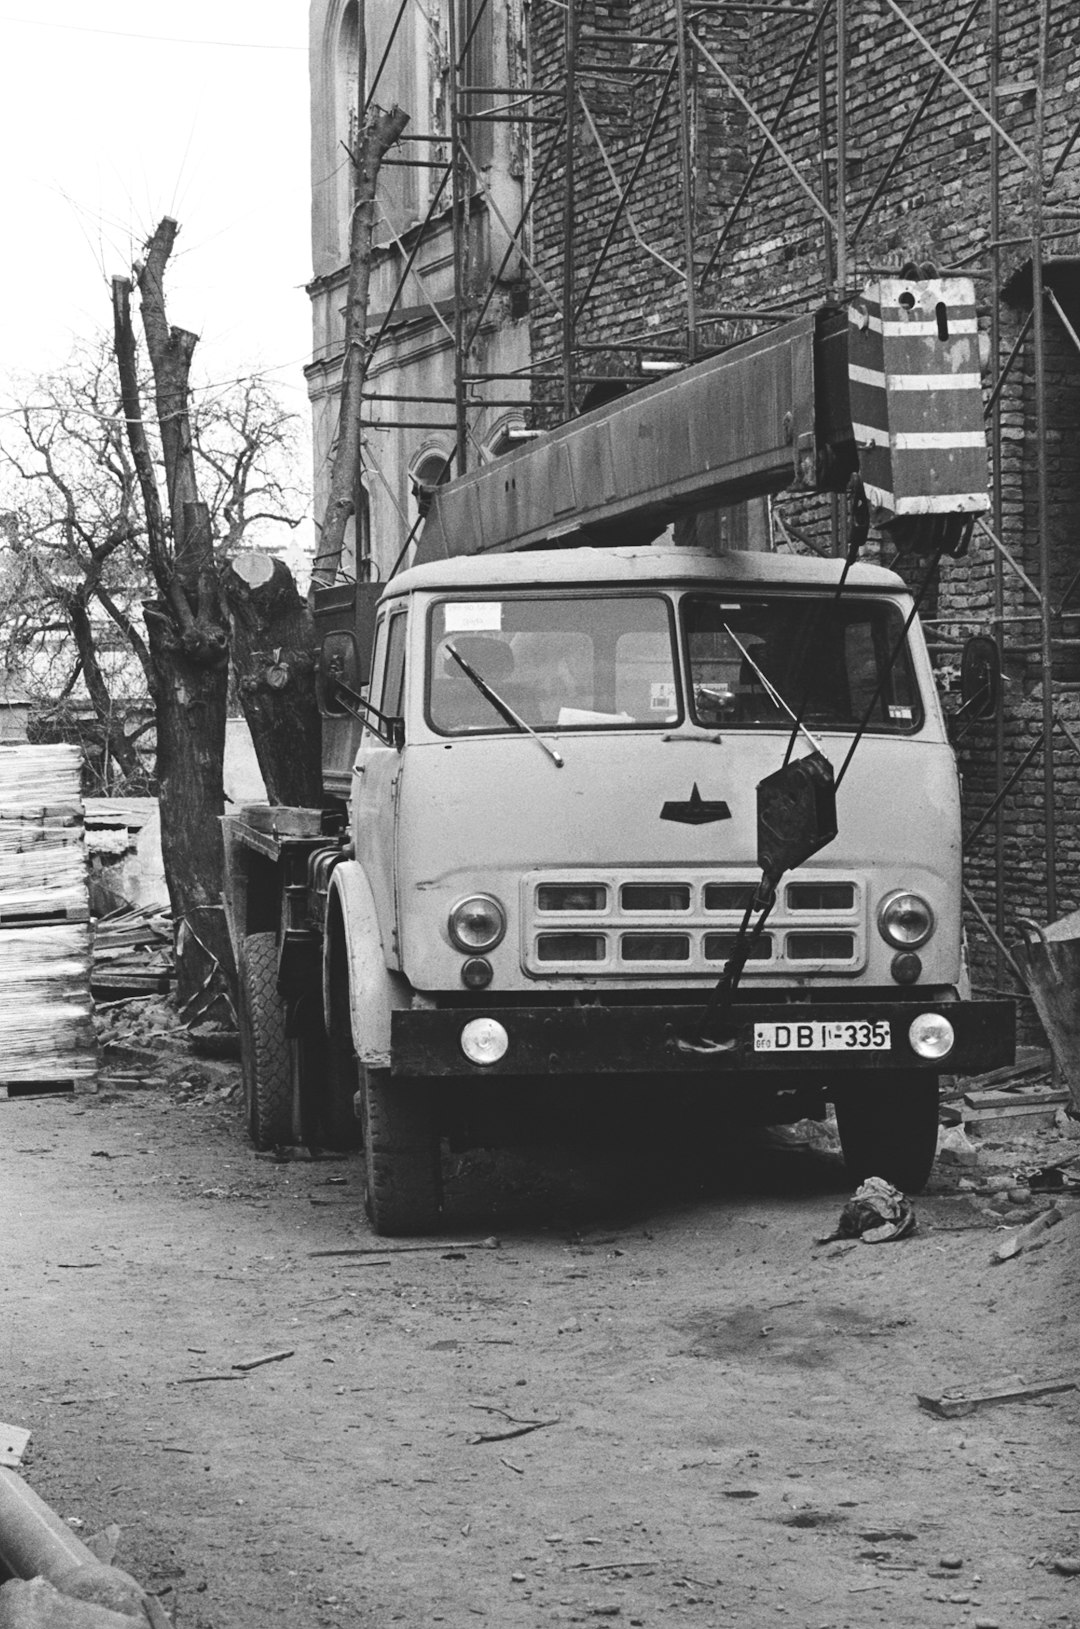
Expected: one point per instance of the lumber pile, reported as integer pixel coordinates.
(46, 1030)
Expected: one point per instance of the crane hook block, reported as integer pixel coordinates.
(796, 814)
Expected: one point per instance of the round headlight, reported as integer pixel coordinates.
(483, 1040)
(478, 923)
(931, 1036)
(906, 921)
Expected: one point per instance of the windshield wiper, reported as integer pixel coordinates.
(500, 706)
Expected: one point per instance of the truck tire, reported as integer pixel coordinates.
(335, 1122)
(888, 1127)
(266, 1056)
(403, 1181)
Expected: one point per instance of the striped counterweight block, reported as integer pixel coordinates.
(916, 398)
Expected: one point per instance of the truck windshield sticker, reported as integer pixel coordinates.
(473, 616)
(560, 661)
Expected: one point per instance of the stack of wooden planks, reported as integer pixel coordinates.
(46, 1029)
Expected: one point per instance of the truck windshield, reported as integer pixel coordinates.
(828, 661)
(561, 662)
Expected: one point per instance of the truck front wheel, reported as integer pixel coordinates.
(888, 1127)
(265, 1054)
(401, 1153)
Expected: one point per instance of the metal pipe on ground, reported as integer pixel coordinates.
(34, 1542)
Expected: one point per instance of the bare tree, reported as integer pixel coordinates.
(75, 570)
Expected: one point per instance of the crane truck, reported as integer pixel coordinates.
(616, 823)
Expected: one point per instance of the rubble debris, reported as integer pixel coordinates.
(1027, 1237)
(34, 1603)
(1067, 1565)
(955, 1146)
(876, 1213)
(133, 952)
(961, 1400)
(1050, 961)
(1054, 1178)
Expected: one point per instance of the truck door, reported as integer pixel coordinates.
(376, 775)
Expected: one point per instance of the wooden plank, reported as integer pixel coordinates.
(13, 1441)
(951, 1405)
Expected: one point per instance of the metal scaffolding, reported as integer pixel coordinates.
(562, 244)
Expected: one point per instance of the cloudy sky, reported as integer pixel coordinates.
(114, 113)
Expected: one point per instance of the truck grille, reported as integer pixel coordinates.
(605, 924)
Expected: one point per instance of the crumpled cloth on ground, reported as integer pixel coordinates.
(876, 1213)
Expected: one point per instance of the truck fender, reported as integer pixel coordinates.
(352, 931)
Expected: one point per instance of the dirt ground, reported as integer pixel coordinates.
(654, 1400)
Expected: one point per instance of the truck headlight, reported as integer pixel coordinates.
(483, 1040)
(477, 923)
(931, 1036)
(905, 920)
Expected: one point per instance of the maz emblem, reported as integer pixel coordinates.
(696, 811)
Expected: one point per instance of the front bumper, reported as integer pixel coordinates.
(616, 1040)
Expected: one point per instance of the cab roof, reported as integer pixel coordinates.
(647, 563)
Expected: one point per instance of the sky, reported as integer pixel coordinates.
(114, 113)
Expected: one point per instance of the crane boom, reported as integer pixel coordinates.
(887, 389)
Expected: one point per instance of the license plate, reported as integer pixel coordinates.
(815, 1035)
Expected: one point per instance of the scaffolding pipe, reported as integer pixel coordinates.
(1042, 471)
(686, 125)
(459, 216)
(569, 114)
(994, 410)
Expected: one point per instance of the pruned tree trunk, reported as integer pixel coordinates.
(188, 641)
(379, 131)
(273, 650)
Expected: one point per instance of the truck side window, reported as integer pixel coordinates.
(393, 689)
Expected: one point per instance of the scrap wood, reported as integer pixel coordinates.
(267, 1357)
(407, 1249)
(198, 1379)
(13, 1441)
(953, 1404)
(518, 1427)
(608, 1566)
(1026, 1238)
(515, 1419)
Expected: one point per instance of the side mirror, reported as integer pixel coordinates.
(980, 678)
